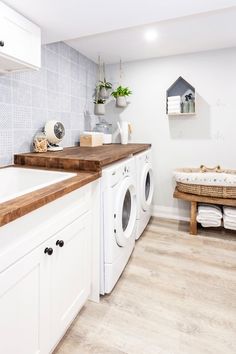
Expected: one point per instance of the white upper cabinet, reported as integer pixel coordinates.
(20, 41)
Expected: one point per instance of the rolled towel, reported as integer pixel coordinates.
(209, 209)
(230, 211)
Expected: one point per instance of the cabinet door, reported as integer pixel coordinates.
(71, 274)
(22, 39)
(24, 305)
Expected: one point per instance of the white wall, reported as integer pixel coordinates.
(208, 138)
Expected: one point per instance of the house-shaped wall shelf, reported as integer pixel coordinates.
(183, 102)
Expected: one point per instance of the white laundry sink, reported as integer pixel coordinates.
(17, 181)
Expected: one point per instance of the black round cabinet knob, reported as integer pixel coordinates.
(1, 44)
(60, 243)
(48, 251)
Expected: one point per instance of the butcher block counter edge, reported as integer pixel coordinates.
(81, 158)
(20, 206)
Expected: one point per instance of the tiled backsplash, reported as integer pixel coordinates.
(62, 89)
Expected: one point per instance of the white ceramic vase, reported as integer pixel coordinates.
(124, 132)
(121, 101)
(99, 109)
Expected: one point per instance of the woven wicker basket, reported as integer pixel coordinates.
(206, 190)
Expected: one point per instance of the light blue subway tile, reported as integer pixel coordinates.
(39, 118)
(23, 140)
(6, 144)
(51, 61)
(52, 81)
(21, 93)
(5, 116)
(5, 92)
(24, 76)
(75, 88)
(64, 66)
(38, 78)
(53, 102)
(39, 97)
(65, 103)
(22, 117)
(77, 121)
(54, 47)
(64, 50)
(75, 71)
(64, 84)
(65, 118)
(75, 136)
(74, 55)
(75, 104)
(62, 90)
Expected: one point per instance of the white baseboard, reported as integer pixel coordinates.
(170, 213)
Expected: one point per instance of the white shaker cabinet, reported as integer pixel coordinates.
(24, 305)
(71, 274)
(20, 41)
(42, 293)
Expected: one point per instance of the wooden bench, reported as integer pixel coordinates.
(194, 200)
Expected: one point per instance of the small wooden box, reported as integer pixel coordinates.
(95, 139)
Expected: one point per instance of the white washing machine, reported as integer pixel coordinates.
(145, 189)
(118, 226)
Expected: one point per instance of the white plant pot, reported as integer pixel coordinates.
(121, 101)
(99, 109)
(104, 93)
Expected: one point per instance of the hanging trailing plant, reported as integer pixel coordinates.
(105, 84)
(120, 95)
(99, 108)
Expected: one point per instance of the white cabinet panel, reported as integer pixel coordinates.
(24, 306)
(71, 274)
(20, 45)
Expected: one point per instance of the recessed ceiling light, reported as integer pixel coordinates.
(151, 35)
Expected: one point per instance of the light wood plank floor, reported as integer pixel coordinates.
(177, 295)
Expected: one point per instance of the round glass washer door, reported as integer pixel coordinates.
(147, 187)
(126, 210)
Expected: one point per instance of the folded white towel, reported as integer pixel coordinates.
(229, 226)
(211, 224)
(209, 219)
(229, 220)
(230, 211)
(174, 110)
(209, 210)
(174, 98)
(173, 104)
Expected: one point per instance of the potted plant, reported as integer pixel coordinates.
(120, 95)
(104, 88)
(99, 108)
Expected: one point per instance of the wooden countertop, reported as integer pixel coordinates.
(86, 161)
(81, 158)
(17, 207)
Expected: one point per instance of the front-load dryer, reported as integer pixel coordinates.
(118, 216)
(145, 189)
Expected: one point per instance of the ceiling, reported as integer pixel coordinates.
(117, 29)
(208, 31)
